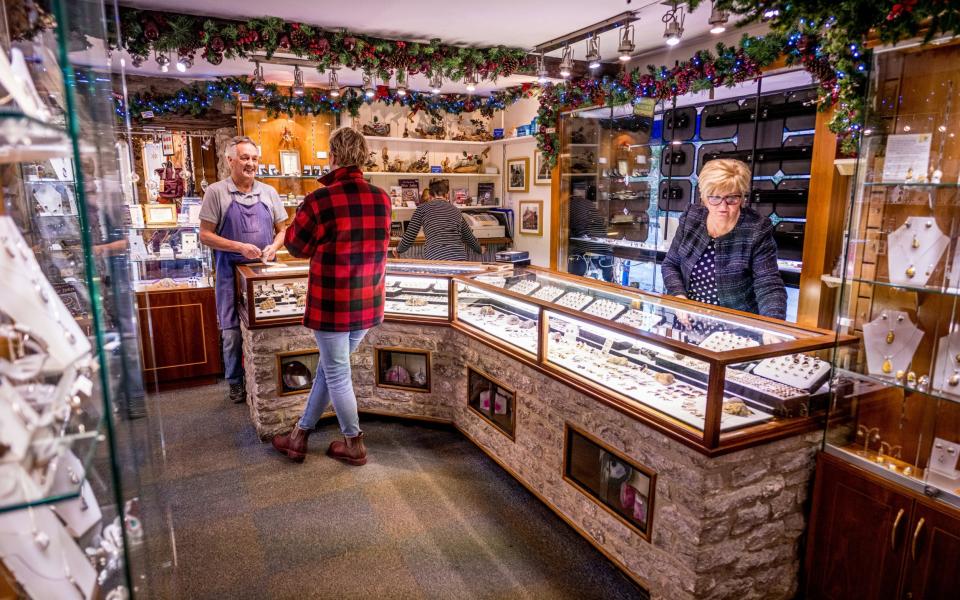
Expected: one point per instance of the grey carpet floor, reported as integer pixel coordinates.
(429, 516)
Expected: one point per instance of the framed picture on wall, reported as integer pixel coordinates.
(160, 214)
(518, 174)
(289, 162)
(491, 400)
(296, 371)
(403, 369)
(618, 484)
(542, 168)
(531, 217)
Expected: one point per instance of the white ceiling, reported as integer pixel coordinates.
(491, 22)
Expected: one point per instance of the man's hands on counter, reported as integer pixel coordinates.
(249, 251)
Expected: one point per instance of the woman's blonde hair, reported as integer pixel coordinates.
(348, 147)
(724, 176)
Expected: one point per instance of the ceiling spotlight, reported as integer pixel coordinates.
(566, 63)
(334, 84)
(368, 89)
(402, 82)
(673, 20)
(436, 82)
(258, 85)
(543, 76)
(297, 88)
(471, 81)
(593, 51)
(626, 47)
(718, 19)
(163, 61)
(184, 62)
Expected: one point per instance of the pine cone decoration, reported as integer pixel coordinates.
(298, 39)
(321, 46)
(217, 45)
(349, 43)
(151, 31)
(213, 57)
(284, 41)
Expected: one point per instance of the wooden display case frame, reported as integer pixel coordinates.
(710, 441)
(512, 431)
(568, 430)
(282, 355)
(247, 276)
(428, 357)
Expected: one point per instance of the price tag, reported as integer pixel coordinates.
(607, 345)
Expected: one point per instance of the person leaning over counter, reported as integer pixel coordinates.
(242, 220)
(724, 252)
(443, 225)
(344, 229)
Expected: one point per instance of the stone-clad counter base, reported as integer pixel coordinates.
(725, 527)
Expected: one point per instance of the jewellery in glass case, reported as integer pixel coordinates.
(890, 341)
(720, 341)
(887, 365)
(917, 244)
(548, 293)
(606, 309)
(525, 287)
(575, 300)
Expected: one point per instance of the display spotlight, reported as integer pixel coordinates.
(184, 62)
(436, 82)
(401, 82)
(718, 19)
(297, 88)
(673, 23)
(626, 47)
(258, 85)
(566, 63)
(368, 89)
(163, 61)
(543, 76)
(334, 84)
(593, 51)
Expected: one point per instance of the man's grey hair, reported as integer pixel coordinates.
(235, 141)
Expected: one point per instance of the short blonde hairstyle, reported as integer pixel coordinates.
(348, 147)
(724, 176)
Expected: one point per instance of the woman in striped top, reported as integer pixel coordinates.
(443, 225)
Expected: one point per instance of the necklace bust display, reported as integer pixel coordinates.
(914, 249)
(946, 370)
(890, 342)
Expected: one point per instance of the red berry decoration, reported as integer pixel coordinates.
(217, 44)
(151, 31)
(284, 41)
(349, 43)
(321, 46)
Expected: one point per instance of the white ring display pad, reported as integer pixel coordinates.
(29, 300)
(49, 201)
(57, 568)
(903, 259)
(946, 365)
(906, 339)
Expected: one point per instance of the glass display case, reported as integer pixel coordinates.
(169, 258)
(275, 294)
(627, 174)
(896, 407)
(70, 522)
(712, 376)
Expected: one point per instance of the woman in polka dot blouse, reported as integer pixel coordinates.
(724, 252)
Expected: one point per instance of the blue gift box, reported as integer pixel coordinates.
(436, 169)
(498, 134)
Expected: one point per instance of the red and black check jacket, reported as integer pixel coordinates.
(344, 229)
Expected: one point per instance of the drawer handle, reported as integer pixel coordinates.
(916, 536)
(893, 530)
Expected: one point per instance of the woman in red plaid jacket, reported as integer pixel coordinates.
(344, 229)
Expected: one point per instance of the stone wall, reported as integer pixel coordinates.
(725, 527)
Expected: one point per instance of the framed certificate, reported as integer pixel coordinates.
(160, 214)
(136, 216)
(289, 162)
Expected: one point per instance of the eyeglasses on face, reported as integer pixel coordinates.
(730, 199)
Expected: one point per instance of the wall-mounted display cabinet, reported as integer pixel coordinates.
(628, 173)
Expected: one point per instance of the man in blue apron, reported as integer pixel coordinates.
(242, 220)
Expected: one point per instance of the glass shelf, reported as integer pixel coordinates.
(910, 184)
(161, 227)
(24, 139)
(80, 442)
(891, 382)
(926, 289)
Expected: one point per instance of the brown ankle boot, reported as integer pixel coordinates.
(294, 444)
(351, 450)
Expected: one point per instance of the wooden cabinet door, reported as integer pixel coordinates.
(932, 569)
(858, 535)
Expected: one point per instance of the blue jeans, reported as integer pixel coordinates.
(232, 355)
(334, 381)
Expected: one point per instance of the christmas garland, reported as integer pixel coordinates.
(143, 32)
(729, 66)
(199, 97)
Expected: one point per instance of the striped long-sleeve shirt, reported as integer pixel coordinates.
(445, 229)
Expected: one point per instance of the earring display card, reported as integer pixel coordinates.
(618, 484)
(296, 371)
(403, 368)
(491, 400)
